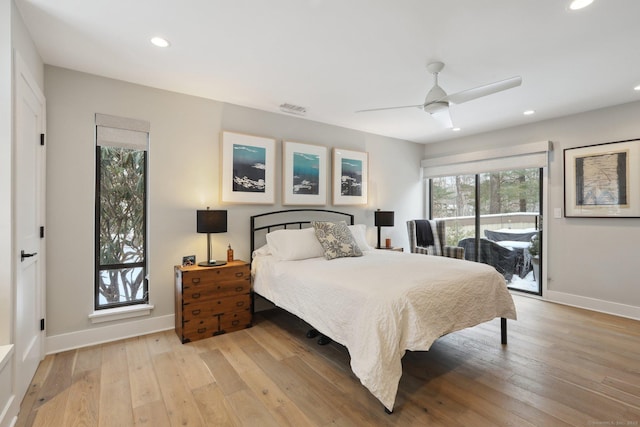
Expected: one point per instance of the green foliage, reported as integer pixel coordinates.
(500, 192)
(122, 221)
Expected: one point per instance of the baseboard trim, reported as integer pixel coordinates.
(9, 406)
(9, 414)
(100, 335)
(608, 307)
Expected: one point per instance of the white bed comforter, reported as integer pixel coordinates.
(384, 303)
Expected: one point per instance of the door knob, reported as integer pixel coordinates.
(23, 255)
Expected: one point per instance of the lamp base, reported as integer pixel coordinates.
(211, 263)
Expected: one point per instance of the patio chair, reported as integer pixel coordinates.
(417, 228)
(501, 258)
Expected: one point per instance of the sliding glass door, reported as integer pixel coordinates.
(495, 217)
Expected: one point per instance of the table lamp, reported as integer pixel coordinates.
(382, 219)
(211, 222)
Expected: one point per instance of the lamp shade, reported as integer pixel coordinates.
(211, 221)
(383, 218)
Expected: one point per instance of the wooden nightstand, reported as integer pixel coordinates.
(394, 248)
(212, 300)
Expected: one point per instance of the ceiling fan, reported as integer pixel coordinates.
(437, 101)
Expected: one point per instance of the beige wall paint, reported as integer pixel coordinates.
(183, 177)
(6, 114)
(587, 258)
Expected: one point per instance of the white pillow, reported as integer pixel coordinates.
(359, 232)
(261, 251)
(289, 245)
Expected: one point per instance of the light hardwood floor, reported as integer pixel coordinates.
(562, 366)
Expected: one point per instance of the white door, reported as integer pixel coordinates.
(29, 217)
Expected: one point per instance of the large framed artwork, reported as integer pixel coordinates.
(603, 180)
(248, 168)
(304, 175)
(350, 177)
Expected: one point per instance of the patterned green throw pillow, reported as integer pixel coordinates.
(336, 239)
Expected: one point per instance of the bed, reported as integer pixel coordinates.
(378, 305)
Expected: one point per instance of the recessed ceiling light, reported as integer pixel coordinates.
(160, 42)
(529, 112)
(637, 88)
(579, 4)
(456, 129)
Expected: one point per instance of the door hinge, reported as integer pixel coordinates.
(42, 324)
(42, 139)
(42, 232)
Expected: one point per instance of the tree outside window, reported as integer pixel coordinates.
(120, 227)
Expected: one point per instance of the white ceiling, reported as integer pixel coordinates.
(338, 56)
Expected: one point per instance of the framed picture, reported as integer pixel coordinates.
(304, 175)
(188, 260)
(603, 180)
(350, 177)
(248, 169)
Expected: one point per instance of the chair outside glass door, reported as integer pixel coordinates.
(495, 217)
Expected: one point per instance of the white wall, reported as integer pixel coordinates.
(5, 171)
(184, 177)
(590, 261)
(8, 409)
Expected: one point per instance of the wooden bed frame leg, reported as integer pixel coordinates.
(503, 330)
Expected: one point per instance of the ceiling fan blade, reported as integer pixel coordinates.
(389, 108)
(480, 91)
(443, 117)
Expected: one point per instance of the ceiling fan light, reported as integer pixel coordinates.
(435, 107)
(529, 112)
(579, 4)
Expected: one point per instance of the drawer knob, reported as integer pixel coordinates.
(239, 303)
(202, 330)
(240, 274)
(195, 312)
(195, 280)
(239, 288)
(235, 323)
(195, 296)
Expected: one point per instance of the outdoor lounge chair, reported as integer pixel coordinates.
(501, 258)
(417, 246)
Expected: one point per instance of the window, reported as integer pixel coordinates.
(492, 204)
(120, 212)
(494, 217)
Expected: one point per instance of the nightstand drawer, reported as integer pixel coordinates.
(202, 328)
(213, 307)
(206, 278)
(235, 321)
(216, 290)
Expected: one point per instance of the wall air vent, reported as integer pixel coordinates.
(293, 109)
